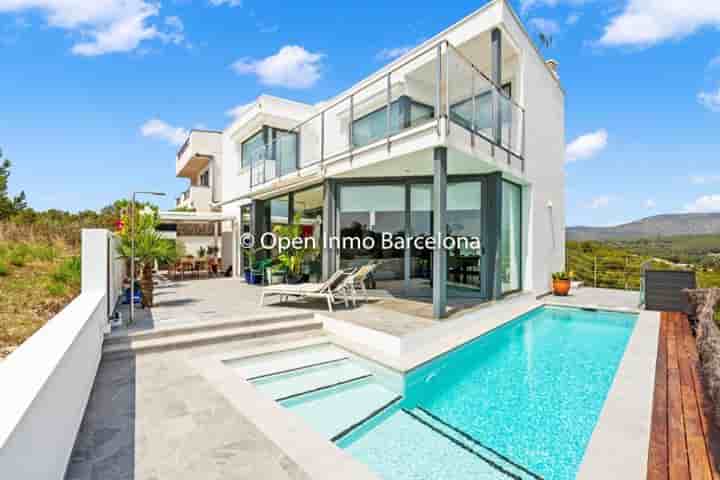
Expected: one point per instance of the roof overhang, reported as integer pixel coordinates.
(193, 217)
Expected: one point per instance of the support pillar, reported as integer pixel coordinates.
(329, 252)
(496, 76)
(492, 233)
(439, 203)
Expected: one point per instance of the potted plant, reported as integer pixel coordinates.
(150, 247)
(275, 274)
(293, 258)
(561, 283)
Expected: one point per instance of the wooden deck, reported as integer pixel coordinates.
(683, 441)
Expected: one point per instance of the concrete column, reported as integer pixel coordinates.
(329, 253)
(407, 255)
(496, 76)
(492, 236)
(439, 203)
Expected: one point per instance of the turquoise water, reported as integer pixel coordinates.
(530, 391)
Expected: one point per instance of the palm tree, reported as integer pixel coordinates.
(150, 247)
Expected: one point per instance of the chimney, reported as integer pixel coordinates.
(553, 64)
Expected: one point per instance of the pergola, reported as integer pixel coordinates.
(213, 218)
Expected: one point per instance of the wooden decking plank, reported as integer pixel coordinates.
(698, 458)
(711, 433)
(658, 453)
(679, 469)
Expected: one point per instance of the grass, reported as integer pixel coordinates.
(37, 279)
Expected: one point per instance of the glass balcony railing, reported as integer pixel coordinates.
(438, 82)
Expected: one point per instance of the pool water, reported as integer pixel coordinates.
(531, 391)
(518, 402)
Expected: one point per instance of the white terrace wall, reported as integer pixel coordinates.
(47, 381)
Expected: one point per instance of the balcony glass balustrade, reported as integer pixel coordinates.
(438, 82)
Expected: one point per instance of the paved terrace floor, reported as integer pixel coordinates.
(599, 297)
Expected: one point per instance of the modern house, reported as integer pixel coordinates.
(463, 136)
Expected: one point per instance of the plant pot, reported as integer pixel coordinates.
(293, 278)
(256, 278)
(248, 276)
(561, 287)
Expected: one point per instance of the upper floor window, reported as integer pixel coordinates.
(205, 179)
(404, 113)
(462, 112)
(271, 144)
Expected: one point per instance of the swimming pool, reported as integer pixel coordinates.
(518, 402)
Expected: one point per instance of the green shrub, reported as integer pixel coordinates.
(57, 289)
(17, 258)
(68, 272)
(4, 269)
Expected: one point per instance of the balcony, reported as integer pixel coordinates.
(439, 85)
(195, 197)
(197, 151)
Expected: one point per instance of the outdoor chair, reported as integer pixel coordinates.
(357, 280)
(327, 290)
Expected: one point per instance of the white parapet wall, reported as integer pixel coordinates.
(47, 381)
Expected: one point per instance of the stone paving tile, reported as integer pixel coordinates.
(152, 417)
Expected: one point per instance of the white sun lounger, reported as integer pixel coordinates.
(324, 290)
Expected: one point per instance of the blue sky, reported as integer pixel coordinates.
(97, 95)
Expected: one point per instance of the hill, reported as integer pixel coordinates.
(651, 227)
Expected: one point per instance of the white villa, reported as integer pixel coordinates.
(463, 136)
(457, 365)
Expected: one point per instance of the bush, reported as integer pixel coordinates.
(68, 272)
(4, 269)
(57, 289)
(17, 258)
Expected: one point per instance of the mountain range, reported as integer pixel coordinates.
(651, 227)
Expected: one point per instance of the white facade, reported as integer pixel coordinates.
(440, 75)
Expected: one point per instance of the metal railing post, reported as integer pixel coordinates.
(388, 103)
(438, 80)
(447, 88)
(595, 271)
(322, 136)
(474, 108)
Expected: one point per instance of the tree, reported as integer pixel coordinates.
(150, 247)
(8, 206)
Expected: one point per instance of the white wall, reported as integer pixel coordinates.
(47, 381)
(544, 101)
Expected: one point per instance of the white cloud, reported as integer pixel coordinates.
(600, 202)
(706, 203)
(586, 146)
(238, 110)
(527, 5)
(544, 25)
(650, 204)
(229, 3)
(710, 100)
(291, 67)
(156, 128)
(704, 179)
(572, 19)
(391, 53)
(648, 22)
(105, 26)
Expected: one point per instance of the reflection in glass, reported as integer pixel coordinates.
(366, 211)
(464, 217)
(510, 252)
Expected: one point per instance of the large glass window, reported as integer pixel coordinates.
(511, 247)
(277, 147)
(421, 216)
(464, 219)
(308, 209)
(404, 113)
(368, 211)
(279, 211)
(462, 112)
(245, 228)
(251, 148)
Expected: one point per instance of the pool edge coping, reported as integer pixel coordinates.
(618, 446)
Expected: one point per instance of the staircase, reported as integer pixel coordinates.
(206, 333)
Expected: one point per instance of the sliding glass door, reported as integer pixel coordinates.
(511, 245)
(464, 224)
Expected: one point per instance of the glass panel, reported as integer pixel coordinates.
(279, 211)
(337, 122)
(245, 228)
(309, 135)
(308, 205)
(511, 247)
(464, 217)
(250, 148)
(420, 226)
(366, 211)
(284, 151)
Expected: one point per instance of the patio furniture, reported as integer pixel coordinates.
(201, 266)
(357, 280)
(334, 284)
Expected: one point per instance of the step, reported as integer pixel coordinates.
(210, 337)
(493, 456)
(293, 383)
(185, 329)
(401, 446)
(333, 411)
(257, 366)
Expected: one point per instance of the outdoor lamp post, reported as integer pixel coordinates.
(132, 250)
